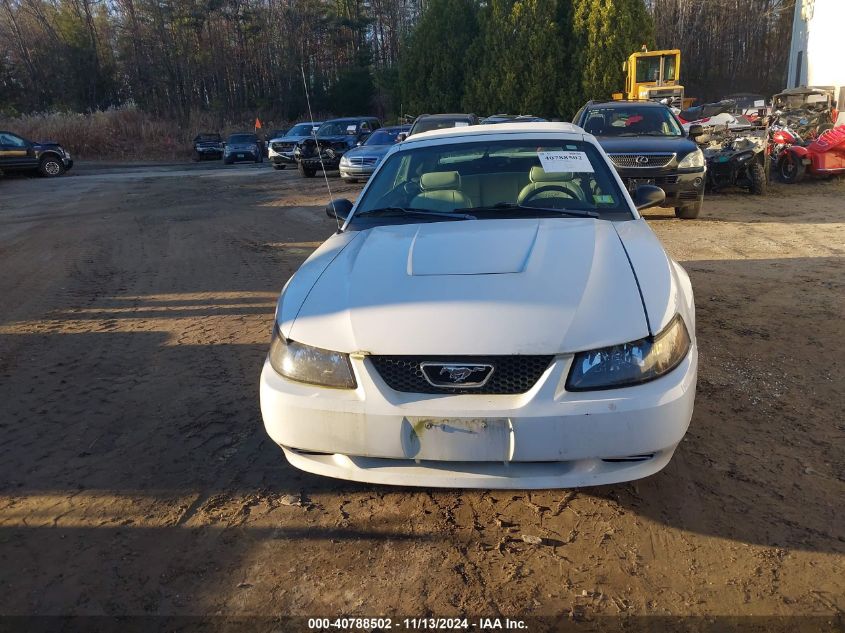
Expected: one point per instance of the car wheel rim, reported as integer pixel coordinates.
(52, 168)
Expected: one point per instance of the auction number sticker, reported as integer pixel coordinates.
(559, 162)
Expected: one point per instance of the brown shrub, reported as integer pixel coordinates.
(125, 133)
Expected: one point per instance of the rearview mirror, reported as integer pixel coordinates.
(340, 208)
(647, 196)
(695, 131)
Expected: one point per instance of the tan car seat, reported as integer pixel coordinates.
(539, 178)
(441, 191)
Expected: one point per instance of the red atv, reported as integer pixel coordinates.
(825, 156)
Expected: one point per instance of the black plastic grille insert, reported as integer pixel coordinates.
(511, 374)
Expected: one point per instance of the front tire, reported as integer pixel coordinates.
(51, 166)
(757, 175)
(307, 172)
(688, 213)
(791, 168)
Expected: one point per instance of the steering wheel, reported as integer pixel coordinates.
(545, 188)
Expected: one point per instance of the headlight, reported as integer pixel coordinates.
(312, 365)
(345, 161)
(630, 363)
(693, 159)
(744, 157)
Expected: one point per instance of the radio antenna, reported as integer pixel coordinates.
(319, 153)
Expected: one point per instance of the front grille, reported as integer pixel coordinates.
(362, 161)
(689, 195)
(641, 160)
(282, 147)
(511, 374)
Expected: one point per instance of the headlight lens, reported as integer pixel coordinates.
(630, 363)
(693, 159)
(312, 365)
(344, 161)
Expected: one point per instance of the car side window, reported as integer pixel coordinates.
(365, 128)
(10, 140)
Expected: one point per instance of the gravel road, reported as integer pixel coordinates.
(136, 477)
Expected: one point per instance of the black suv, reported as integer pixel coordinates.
(207, 145)
(18, 154)
(334, 138)
(647, 145)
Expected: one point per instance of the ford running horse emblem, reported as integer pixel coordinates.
(467, 375)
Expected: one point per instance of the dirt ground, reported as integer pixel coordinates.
(136, 477)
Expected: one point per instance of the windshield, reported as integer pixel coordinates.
(439, 123)
(495, 179)
(205, 138)
(243, 138)
(300, 129)
(648, 68)
(337, 128)
(633, 121)
(383, 137)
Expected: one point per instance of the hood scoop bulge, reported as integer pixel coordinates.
(472, 248)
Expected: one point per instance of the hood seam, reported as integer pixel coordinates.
(636, 279)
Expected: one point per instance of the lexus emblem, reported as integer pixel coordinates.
(463, 375)
(641, 160)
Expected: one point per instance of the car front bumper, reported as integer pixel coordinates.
(682, 188)
(544, 438)
(356, 171)
(242, 155)
(282, 159)
(313, 162)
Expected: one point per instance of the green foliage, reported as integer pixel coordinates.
(607, 32)
(541, 57)
(352, 94)
(434, 61)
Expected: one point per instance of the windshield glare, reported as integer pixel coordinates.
(438, 123)
(337, 128)
(631, 121)
(506, 178)
(382, 137)
(300, 129)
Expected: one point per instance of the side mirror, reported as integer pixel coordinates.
(339, 207)
(695, 131)
(647, 196)
(401, 137)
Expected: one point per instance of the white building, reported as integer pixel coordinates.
(817, 57)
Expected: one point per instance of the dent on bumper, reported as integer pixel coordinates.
(546, 437)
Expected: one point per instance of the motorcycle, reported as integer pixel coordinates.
(824, 156)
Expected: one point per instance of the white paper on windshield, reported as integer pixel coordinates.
(350, 129)
(560, 162)
(461, 124)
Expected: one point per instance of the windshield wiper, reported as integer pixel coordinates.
(418, 212)
(506, 206)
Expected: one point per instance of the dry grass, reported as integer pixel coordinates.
(125, 133)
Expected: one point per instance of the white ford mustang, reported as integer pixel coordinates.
(494, 313)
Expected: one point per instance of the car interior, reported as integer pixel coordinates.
(474, 177)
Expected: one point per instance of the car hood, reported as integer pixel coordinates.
(633, 144)
(46, 144)
(290, 139)
(523, 286)
(341, 138)
(377, 151)
(241, 146)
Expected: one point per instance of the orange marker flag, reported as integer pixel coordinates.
(257, 123)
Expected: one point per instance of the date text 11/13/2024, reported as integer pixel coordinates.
(416, 624)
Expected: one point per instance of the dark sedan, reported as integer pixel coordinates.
(242, 147)
(47, 158)
(333, 139)
(647, 145)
